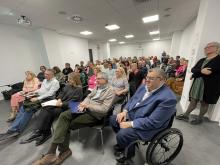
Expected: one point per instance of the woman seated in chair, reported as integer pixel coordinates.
(176, 83)
(58, 74)
(31, 83)
(92, 81)
(120, 85)
(72, 91)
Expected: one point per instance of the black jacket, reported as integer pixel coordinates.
(212, 81)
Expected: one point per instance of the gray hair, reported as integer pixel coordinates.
(103, 75)
(217, 44)
(161, 72)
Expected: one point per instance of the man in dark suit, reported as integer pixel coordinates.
(146, 113)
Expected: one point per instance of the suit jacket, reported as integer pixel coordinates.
(152, 114)
(99, 107)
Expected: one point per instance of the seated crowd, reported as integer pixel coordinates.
(96, 88)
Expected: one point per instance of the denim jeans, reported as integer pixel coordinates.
(22, 120)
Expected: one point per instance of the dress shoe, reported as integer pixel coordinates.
(47, 159)
(34, 136)
(42, 139)
(9, 134)
(63, 156)
(120, 158)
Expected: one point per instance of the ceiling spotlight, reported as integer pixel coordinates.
(24, 20)
(129, 36)
(112, 27)
(122, 42)
(112, 40)
(76, 18)
(86, 33)
(154, 32)
(152, 18)
(156, 39)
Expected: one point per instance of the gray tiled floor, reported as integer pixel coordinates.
(201, 146)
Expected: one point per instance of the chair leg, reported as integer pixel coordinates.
(102, 141)
(78, 136)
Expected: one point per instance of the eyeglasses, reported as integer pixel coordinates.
(209, 46)
(152, 78)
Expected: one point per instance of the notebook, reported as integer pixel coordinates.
(49, 103)
(73, 105)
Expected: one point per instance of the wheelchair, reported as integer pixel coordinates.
(163, 147)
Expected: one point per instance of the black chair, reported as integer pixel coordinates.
(101, 125)
(163, 147)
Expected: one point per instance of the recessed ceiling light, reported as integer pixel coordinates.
(76, 18)
(129, 36)
(152, 18)
(156, 39)
(112, 40)
(86, 33)
(154, 32)
(121, 42)
(112, 27)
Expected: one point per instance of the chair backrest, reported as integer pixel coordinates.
(171, 121)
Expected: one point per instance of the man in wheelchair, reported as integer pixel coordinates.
(146, 113)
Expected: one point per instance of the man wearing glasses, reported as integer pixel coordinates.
(146, 113)
(95, 105)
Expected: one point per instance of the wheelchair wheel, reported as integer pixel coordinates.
(164, 147)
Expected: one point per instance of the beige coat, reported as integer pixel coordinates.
(100, 106)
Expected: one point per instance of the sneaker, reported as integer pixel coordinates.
(47, 159)
(196, 121)
(182, 117)
(63, 156)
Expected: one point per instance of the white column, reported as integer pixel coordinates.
(175, 44)
(206, 30)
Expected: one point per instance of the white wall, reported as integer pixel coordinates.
(147, 49)
(61, 49)
(175, 44)
(186, 40)
(20, 51)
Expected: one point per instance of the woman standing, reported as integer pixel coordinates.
(31, 83)
(205, 88)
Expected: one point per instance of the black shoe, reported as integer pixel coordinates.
(196, 121)
(42, 139)
(182, 117)
(117, 150)
(120, 158)
(9, 134)
(34, 136)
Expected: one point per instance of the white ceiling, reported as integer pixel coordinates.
(97, 13)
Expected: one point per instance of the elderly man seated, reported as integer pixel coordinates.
(48, 89)
(95, 105)
(146, 113)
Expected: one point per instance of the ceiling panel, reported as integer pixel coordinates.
(97, 13)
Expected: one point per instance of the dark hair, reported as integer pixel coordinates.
(56, 69)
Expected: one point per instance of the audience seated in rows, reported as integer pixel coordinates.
(48, 89)
(72, 91)
(95, 105)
